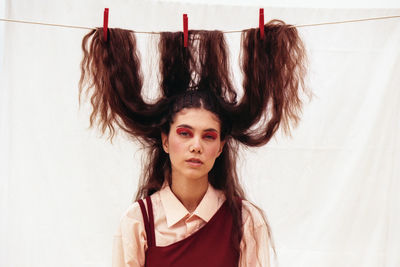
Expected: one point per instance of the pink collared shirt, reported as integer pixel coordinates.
(173, 222)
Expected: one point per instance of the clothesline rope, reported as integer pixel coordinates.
(296, 26)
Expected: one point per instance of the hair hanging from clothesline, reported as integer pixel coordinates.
(196, 76)
(274, 69)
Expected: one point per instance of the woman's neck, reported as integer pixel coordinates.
(189, 191)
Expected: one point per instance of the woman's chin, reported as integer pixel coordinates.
(195, 175)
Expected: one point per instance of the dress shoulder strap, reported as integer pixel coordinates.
(148, 219)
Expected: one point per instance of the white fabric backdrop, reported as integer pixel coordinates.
(331, 193)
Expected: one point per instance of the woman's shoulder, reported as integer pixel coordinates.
(252, 214)
(134, 212)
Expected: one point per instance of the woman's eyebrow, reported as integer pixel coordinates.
(184, 126)
(211, 130)
(190, 127)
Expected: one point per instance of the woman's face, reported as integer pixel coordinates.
(193, 143)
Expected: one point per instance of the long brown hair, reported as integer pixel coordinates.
(198, 76)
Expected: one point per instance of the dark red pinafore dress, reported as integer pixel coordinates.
(210, 246)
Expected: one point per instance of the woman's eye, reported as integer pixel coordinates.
(211, 136)
(183, 132)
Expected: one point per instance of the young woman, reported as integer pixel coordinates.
(190, 209)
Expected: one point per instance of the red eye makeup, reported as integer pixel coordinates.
(187, 132)
(184, 132)
(211, 135)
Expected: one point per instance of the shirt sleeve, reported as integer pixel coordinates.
(255, 245)
(129, 242)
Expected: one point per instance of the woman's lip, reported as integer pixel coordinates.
(194, 162)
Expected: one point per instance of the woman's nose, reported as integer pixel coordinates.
(196, 146)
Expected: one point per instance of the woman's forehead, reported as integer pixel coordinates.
(196, 118)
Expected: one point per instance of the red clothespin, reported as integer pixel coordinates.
(261, 23)
(105, 24)
(185, 30)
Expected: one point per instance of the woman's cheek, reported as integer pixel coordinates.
(177, 146)
(213, 150)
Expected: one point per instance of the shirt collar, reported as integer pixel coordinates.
(176, 211)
